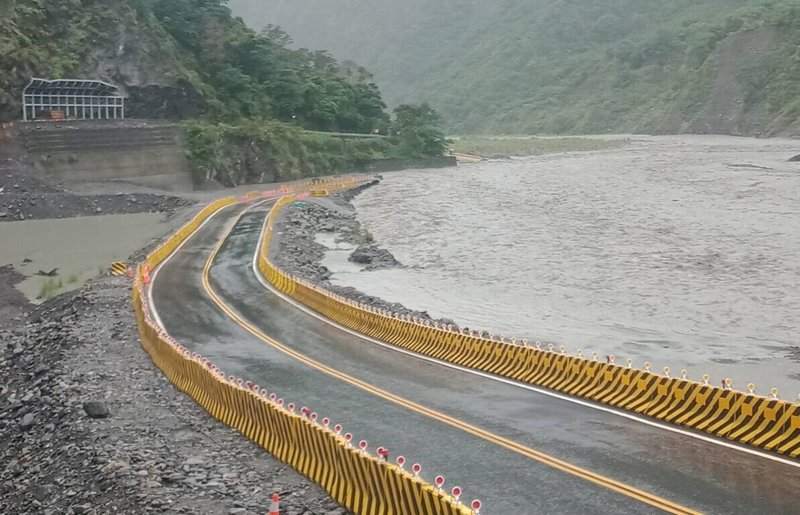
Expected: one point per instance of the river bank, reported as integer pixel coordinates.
(89, 425)
(494, 147)
(305, 233)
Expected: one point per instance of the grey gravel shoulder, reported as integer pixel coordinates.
(89, 425)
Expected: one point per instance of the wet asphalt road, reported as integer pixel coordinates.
(681, 469)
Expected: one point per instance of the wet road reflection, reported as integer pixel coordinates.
(681, 469)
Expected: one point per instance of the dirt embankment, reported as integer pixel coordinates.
(24, 197)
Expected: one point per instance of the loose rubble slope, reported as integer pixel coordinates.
(156, 451)
(296, 250)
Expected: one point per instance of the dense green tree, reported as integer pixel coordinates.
(255, 91)
(256, 74)
(418, 131)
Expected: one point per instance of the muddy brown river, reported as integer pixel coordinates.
(681, 251)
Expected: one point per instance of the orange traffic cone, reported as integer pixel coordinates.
(146, 274)
(274, 507)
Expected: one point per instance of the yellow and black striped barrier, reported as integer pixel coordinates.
(119, 268)
(360, 482)
(766, 422)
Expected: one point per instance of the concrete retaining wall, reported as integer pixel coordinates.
(144, 153)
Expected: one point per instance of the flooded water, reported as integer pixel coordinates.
(684, 251)
(80, 248)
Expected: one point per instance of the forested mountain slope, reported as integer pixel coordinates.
(248, 93)
(179, 59)
(567, 66)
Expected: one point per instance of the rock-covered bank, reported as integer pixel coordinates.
(297, 250)
(89, 425)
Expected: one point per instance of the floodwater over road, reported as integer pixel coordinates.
(684, 251)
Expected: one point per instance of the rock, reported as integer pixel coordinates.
(195, 461)
(364, 254)
(96, 409)
(374, 257)
(173, 478)
(42, 492)
(82, 508)
(237, 511)
(27, 421)
(115, 466)
(794, 158)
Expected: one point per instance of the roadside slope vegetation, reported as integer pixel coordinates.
(250, 95)
(540, 66)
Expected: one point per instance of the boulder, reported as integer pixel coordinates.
(96, 409)
(27, 421)
(373, 257)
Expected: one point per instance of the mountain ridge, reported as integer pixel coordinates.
(536, 66)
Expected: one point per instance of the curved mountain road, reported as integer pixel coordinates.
(518, 450)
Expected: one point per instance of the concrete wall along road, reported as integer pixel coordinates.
(765, 422)
(147, 153)
(360, 482)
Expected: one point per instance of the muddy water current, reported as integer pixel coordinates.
(682, 251)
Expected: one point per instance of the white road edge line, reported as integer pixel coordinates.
(150, 301)
(510, 382)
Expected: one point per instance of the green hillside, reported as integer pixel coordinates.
(194, 49)
(543, 66)
(248, 93)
